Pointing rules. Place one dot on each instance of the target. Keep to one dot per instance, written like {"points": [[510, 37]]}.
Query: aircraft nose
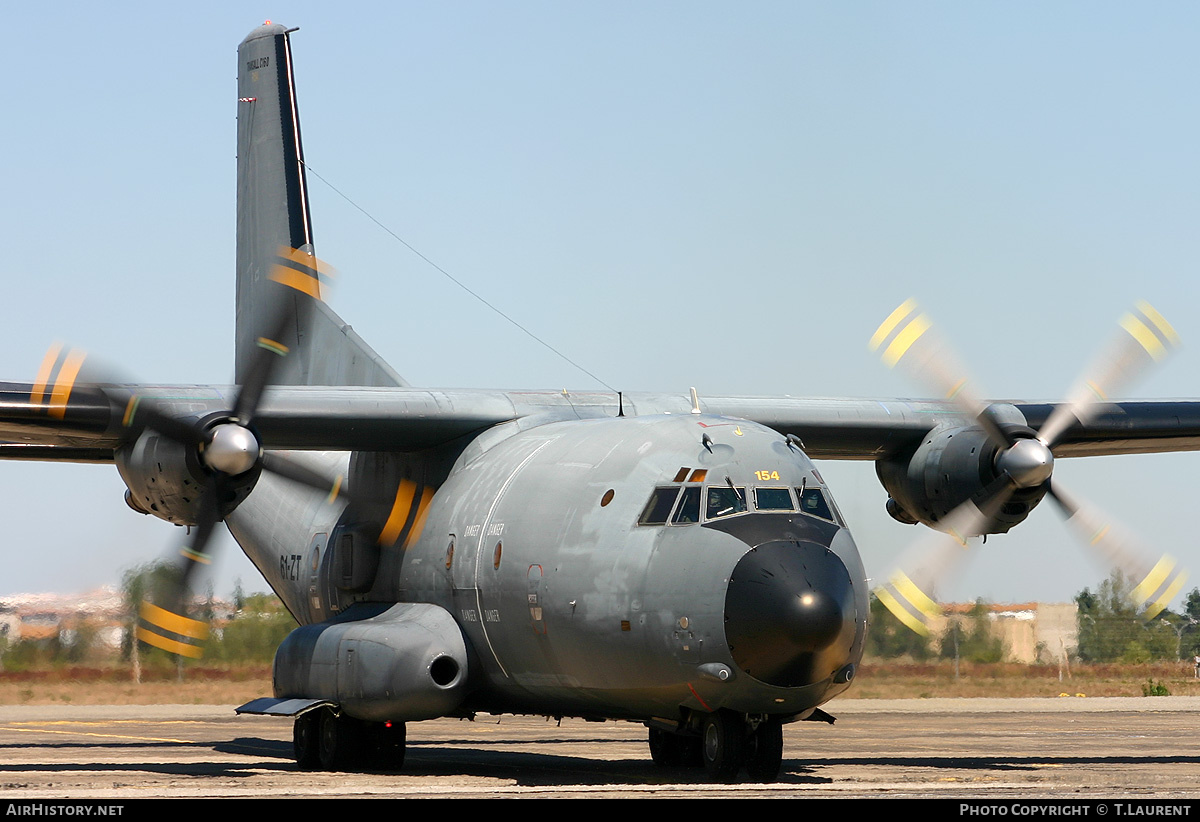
{"points": [[789, 613]]}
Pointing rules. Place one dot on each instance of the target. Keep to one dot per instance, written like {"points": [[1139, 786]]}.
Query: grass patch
{"points": [[232, 685], [876, 679]]}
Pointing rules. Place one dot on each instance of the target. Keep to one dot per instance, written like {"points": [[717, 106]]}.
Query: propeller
{"points": [[228, 450], [934, 557], [908, 340]]}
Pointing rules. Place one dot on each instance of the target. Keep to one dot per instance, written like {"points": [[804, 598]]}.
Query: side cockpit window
{"points": [[658, 509], [812, 502]]}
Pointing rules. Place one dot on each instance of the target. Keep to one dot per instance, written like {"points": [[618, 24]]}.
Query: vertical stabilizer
{"points": [[273, 224]]}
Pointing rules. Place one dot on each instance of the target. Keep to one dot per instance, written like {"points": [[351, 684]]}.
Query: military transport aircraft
{"points": [[665, 559]]}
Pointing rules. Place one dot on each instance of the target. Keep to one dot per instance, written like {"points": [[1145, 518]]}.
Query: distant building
{"points": [[1031, 631], [47, 616]]}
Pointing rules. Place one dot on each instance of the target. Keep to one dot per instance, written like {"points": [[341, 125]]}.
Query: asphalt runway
{"points": [[1126, 749]]}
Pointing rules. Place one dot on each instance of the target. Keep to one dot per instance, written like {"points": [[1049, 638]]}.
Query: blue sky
{"points": [[674, 194]]}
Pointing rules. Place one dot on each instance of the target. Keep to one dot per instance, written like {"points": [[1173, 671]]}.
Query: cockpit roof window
{"points": [[724, 501], [812, 502], [773, 499], [658, 509]]}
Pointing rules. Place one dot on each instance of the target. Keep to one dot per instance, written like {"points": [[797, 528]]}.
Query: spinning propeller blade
{"points": [[907, 339], [1157, 582], [1144, 340], [910, 342], [228, 450], [934, 557]]}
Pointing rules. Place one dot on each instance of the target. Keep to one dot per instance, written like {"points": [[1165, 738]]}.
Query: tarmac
{"points": [[1126, 749]]}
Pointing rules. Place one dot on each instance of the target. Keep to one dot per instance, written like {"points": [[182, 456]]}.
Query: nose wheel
{"points": [[727, 743], [764, 757], [724, 745]]}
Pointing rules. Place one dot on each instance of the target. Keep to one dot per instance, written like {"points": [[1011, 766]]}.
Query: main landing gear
{"points": [[727, 742], [326, 740]]}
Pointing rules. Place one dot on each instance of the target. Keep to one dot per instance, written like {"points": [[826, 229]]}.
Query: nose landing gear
{"points": [[727, 742], [764, 757]]}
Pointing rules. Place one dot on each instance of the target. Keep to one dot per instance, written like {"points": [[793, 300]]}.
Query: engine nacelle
{"points": [[166, 479], [949, 467], [405, 663]]}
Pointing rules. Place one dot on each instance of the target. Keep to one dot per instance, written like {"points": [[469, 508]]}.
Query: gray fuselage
{"points": [[621, 567]]}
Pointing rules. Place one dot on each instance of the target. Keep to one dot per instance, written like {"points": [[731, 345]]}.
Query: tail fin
{"points": [[272, 214]]}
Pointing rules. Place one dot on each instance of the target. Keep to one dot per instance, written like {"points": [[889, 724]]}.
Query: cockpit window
{"points": [[682, 505], [658, 509], [689, 507], [723, 501], [773, 499], [812, 502]]}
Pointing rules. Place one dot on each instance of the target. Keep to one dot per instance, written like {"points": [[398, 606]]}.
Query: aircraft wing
{"points": [[869, 429], [1135, 427], [85, 427]]}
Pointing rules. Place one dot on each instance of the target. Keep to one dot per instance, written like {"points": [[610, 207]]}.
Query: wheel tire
{"points": [[764, 759], [337, 741], [390, 743], [666, 748], [306, 741], [724, 745]]}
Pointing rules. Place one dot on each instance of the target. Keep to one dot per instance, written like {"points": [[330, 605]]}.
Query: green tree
{"points": [[972, 639], [77, 642], [151, 580], [26, 655], [889, 638], [1112, 630], [1189, 639], [255, 632]]}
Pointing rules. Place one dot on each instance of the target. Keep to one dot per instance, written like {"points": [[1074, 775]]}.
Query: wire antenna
{"points": [[457, 281]]}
